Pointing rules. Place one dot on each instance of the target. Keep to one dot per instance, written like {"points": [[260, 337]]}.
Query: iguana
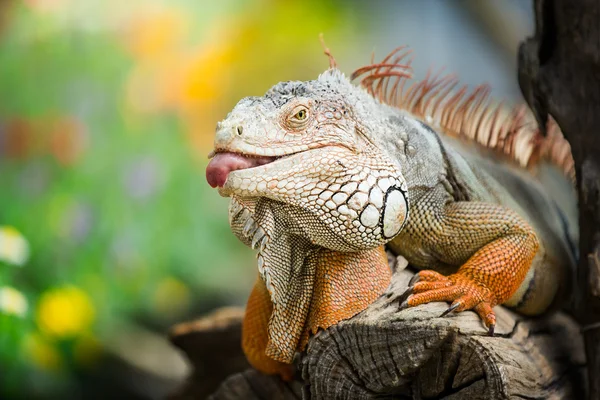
{"points": [[322, 174]]}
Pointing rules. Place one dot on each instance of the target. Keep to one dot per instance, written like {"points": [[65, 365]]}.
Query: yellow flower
{"points": [[12, 301], [42, 353], [65, 312], [171, 296], [14, 248]]}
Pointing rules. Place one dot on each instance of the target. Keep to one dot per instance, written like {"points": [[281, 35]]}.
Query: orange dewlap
{"points": [[345, 284], [255, 336]]}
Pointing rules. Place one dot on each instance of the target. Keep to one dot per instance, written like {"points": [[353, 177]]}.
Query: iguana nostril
{"points": [[240, 130]]}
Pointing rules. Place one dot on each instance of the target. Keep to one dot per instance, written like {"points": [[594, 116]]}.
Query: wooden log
{"points": [[415, 354], [559, 74]]}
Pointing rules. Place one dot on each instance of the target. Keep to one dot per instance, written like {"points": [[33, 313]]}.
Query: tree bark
{"points": [[559, 74], [415, 354]]}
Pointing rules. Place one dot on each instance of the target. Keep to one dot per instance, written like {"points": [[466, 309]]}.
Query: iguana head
{"points": [[305, 144]]}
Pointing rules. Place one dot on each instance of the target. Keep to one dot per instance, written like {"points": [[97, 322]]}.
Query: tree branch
{"points": [[559, 74]]}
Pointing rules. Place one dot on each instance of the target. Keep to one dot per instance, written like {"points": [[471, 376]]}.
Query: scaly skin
{"points": [[256, 338], [322, 175], [344, 285], [496, 238]]}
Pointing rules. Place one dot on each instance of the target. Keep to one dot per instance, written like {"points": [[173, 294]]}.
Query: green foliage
{"points": [[106, 118]]}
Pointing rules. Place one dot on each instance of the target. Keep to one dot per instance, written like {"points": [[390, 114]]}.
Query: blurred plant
{"points": [[175, 76], [106, 107], [42, 352], [14, 248], [12, 302], [87, 350], [64, 312], [171, 296]]}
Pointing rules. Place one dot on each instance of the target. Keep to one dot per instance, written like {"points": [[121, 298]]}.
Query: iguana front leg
{"points": [[498, 246]]}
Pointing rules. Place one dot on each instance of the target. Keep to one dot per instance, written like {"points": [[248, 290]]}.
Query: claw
{"points": [[403, 305], [491, 329], [414, 280], [404, 296], [453, 307]]}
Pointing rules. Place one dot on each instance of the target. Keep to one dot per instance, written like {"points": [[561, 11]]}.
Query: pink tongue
{"points": [[223, 163]]}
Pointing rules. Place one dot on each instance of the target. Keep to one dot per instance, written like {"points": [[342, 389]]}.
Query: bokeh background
{"points": [[109, 233]]}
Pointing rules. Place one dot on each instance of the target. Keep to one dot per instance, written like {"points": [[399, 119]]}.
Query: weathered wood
{"points": [[252, 385], [414, 354], [559, 74], [212, 345]]}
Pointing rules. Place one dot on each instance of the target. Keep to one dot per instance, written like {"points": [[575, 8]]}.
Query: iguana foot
{"points": [[462, 291]]}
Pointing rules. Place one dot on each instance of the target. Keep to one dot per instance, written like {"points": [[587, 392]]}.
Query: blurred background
{"points": [[109, 233]]}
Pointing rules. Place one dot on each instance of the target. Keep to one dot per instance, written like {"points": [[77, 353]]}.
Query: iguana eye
{"points": [[298, 117], [301, 115]]}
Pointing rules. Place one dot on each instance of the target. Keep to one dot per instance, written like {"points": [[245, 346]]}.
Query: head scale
{"points": [[302, 144]]}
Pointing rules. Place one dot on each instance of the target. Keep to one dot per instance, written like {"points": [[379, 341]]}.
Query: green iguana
{"points": [[322, 174]]}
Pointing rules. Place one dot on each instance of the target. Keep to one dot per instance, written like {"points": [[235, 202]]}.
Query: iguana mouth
{"points": [[223, 163]]}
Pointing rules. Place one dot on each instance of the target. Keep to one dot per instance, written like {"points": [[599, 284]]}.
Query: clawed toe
{"points": [[414, 280], [462, 292], [453, 307], [403, 305], [406, 294]]}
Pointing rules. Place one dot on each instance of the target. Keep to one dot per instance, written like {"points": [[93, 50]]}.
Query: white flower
{"points": [[14, 248], [12, 301]]}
